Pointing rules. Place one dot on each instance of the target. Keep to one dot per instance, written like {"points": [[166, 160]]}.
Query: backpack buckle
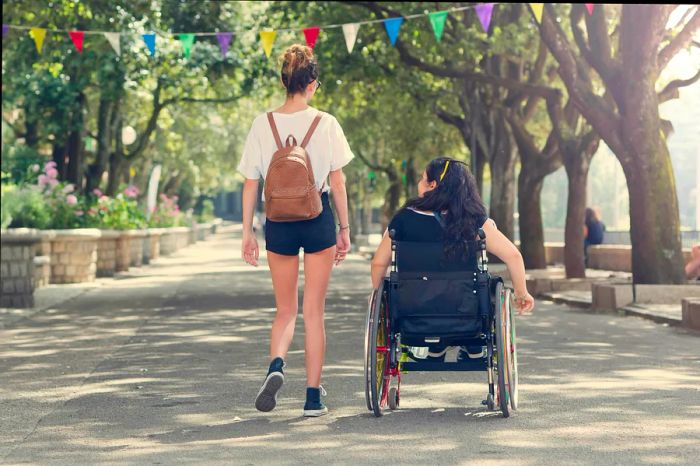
{"points": [[294, 141]]}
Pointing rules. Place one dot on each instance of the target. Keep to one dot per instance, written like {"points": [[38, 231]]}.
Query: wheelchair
{"points": [[429, 299]]}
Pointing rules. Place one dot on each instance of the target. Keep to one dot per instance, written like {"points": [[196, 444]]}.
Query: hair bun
{"points": [[299, 67]]}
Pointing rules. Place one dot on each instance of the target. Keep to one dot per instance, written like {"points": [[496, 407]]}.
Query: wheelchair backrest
{"points": [[430, 257]]}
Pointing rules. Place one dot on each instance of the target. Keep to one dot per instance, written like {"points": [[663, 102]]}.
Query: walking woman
{"points": [[327, 152]]}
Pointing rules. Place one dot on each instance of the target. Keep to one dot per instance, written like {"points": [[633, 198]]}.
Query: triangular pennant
{"points": [[150, 40], [537, 10], [350, 31], [5, 29], [77, 38], [187, 41], [311, 35], [267, 38], [224, 39], [392, 26], [483, 12], [38, 34], [113, 38], [589, 7], [437, 20]]}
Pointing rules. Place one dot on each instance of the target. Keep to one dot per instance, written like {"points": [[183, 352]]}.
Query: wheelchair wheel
{"points": [[377, 355], [372, 302], [393, 398], [507, 395]]}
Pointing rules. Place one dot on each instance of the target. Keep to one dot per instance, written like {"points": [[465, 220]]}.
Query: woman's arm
{"points": [[381, 261], [500, 246], [249, 248], [340, 200]]}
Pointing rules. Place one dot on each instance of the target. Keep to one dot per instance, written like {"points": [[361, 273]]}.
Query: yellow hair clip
{"points": [[447, 164]]}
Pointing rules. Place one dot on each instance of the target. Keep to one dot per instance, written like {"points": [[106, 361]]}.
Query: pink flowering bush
{"points": [[167, 213]]}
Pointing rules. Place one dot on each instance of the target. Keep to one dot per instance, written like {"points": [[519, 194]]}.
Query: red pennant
{"points": [[311, 35], [589, 7], [77, 37]]}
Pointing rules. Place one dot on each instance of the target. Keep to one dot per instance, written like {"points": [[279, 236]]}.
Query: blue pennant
{"points": [[150, 40], [392, 26]]}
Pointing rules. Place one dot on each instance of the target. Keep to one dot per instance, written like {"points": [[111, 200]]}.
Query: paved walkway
{"points": [[161, 367]]}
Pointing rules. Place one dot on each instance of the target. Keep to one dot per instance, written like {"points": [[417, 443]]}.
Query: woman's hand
{"points": [[342, 245], [249, 249], [524, 302]]}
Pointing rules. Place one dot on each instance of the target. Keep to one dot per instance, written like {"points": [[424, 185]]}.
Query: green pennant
{"points": [[187, 41], [438, 19]]}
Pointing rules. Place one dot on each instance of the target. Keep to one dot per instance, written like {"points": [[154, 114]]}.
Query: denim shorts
{"points": [[312, 235]]}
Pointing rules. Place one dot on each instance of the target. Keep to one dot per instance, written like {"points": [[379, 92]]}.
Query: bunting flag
{"points": [[350, 32], [5, 28], [150, 40], [589, 7], [267, 38], [187, 40], [77, 38], [311, 35], [392, 26], [224, 39], [38, 34], [483, 12], [113, 39], [437, 20], [537, 10]]}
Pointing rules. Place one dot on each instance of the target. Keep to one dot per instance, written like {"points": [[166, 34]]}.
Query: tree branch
{"points": [[671, 90], [679, 42]]}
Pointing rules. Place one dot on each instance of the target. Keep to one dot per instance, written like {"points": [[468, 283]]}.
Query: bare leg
{"points": [[317, 272], [285, 275]]}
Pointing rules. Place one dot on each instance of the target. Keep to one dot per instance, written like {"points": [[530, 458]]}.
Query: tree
{"points": [[629, 60]]}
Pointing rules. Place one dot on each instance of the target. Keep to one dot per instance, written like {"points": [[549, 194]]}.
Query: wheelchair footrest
{"points": [[432, 366]]}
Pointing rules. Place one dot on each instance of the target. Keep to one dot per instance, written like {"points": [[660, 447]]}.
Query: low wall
{"points": [[17, 266], [606, 296], [107, 247], [136, 247], [690, 311], [615, 257], [74, 255]]}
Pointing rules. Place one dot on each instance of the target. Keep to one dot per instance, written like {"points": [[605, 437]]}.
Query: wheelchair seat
{"points": [[435, 298]]}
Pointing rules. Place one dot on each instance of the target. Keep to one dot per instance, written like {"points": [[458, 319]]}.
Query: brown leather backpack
{"points": [[290, 189]]}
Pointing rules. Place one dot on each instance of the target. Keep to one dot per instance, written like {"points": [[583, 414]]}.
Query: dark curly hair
{"points": [[299, 68], [456, 198]]}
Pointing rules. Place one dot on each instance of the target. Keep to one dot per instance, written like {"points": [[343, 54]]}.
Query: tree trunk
{"points": [[104, 144], [116, 171], [391, 198], [655, 225], [58, 155], [75, 151], [503, 181], [530, 221], [577, 173]]}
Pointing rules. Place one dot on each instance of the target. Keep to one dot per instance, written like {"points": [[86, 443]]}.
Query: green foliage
{"points": [[21, 164], [207, 211], [115, 213], [23, 208]]}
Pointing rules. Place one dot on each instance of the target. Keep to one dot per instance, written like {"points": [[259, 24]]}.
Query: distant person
{"points": [[692, 268], [593, 230]]}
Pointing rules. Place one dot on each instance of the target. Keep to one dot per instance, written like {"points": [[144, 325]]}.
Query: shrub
{"points": [[166, 214]]}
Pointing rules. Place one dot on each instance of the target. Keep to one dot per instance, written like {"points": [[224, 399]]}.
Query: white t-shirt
{"points": [[328, 149]]}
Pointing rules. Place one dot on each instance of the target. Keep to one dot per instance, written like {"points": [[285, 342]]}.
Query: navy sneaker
{"points": [[313, 406], [266, 400], [471, 352]]}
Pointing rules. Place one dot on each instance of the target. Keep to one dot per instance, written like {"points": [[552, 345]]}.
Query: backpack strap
{"points": [[311, 130], [275, 133]]}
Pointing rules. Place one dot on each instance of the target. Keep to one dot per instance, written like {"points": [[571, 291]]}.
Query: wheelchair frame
{"points": [[384, 351]]}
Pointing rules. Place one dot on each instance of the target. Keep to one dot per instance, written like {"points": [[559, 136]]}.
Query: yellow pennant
{"points": [[537, 10], [38, 34], [267, 38]]}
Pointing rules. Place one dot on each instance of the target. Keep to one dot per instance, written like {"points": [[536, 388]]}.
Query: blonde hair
{"points": [[299, 68]]}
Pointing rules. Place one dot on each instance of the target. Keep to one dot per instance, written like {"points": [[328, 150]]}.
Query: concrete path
{"points": [[162, 366]]}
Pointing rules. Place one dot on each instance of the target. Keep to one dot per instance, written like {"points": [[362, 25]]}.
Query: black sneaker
{"points": [[313, 406], [471, 352], [266, 400]]}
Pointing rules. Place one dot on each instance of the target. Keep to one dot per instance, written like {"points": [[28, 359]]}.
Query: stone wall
{"points": [[17, 267], [42, 271], [137, 237], [123, 259], [154, 235], [107, 253], [74, 255]]}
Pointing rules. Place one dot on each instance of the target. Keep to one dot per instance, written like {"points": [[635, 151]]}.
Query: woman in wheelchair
{"points": [[449, 209]]}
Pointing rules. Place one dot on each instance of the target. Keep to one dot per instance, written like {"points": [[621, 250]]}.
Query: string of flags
{"points": [[392, 27]]}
